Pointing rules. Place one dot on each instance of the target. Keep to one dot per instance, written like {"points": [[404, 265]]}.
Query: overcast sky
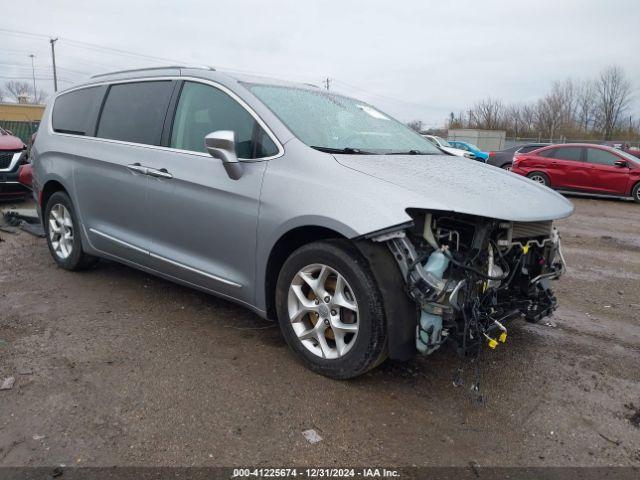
{"points": [[413, 59]]}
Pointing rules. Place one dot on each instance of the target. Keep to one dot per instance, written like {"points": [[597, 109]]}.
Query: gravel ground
{"points": [[114, 367]]}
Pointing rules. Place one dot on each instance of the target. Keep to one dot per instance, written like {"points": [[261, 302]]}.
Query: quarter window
{"points": [[76, 112], [595, 155], [203, 109], [135, 112]]}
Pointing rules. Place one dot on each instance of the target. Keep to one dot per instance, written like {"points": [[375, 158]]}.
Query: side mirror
{"points": [[222, 145], [620, 163]]}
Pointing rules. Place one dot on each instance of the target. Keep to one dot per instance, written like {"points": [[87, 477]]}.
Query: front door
{"points": [[606, 176], [204, 223]]}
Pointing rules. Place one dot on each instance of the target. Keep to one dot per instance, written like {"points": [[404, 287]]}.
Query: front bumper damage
{"points": [[469, 275]]}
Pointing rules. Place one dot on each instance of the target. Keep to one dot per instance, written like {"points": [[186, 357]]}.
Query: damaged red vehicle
{"points": [[12, 155], [585, 168]]}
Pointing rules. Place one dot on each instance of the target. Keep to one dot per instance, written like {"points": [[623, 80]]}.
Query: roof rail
{"points": [[162, 67]]}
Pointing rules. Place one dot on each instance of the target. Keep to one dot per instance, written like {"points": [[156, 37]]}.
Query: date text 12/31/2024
{"points": [[315, 472]]}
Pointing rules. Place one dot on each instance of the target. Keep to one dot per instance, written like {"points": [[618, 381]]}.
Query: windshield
{"points": [[443, 142], [473, 147], [628, 156], [331, 122]]}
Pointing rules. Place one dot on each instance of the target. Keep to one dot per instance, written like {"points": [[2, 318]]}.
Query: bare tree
{"points": [[487, 114], [17, 89], [416, 125], [39, 97], [554, 112], [613, 97], [2, 95], [585, 105]]}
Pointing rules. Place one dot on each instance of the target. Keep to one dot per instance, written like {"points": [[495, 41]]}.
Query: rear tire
{"points": [[62, 230], [636, 193], [506, 166], [335, 322], [540, 178]]}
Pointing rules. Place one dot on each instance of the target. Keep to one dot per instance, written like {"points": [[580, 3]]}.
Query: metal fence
{"points": [[512, 141], [22, 130]]}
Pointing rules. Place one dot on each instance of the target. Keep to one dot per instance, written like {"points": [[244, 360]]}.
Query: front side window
{"points": [[602, 157], [569, 153], [331, 122], [135, 112], [76, 112], [203, 109]]}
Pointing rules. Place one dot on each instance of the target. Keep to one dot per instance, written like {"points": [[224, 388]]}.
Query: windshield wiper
{"points": [[411, 152], [346, 150]]}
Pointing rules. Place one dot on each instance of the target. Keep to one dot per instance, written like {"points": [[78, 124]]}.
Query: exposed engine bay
{"points": [[470, 275]]}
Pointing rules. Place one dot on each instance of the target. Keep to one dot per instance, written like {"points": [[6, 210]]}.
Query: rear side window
{"points": [[76, 112], [529, 148], [569, 153], [602, 157], [135, 112], [203, 109], [551, 153]]}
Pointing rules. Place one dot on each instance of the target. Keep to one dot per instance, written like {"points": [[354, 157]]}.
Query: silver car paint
{"points": [[205, 230]]}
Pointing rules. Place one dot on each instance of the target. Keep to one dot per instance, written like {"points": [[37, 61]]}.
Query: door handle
{"points": [[136, 167], [162, 173]]}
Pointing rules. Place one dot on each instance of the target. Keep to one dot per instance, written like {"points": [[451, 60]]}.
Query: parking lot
{"points": [[115, 367]]}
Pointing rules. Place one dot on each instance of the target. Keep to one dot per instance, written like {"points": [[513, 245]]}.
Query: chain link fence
{"points": [[22, 130]]}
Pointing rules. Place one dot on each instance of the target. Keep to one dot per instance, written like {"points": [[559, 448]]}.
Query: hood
{"points": [[458, 184], [9, 142]]}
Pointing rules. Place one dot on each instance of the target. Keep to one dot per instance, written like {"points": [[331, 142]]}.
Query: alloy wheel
{"points": [[61, 231], [539, 179], [323, 311]]}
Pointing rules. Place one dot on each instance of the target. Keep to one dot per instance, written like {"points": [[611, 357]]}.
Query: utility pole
{"points": [[33, 73], [327, 83], [52, 41]]}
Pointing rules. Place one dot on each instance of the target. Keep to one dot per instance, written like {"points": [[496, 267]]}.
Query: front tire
{"points": [[62, 230], [330, 309]]}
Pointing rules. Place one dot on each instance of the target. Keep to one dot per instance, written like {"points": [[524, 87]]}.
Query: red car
{"points": [[586, 168], [12, 155]]}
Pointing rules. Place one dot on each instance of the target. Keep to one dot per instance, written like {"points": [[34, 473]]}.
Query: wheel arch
{"points": [[400, 311], [282, 249], [49, 188]]}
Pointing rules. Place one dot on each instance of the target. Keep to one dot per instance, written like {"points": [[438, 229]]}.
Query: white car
{"points": [[442, 144]]}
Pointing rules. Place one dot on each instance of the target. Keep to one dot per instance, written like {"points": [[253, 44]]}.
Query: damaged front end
{"points": [[469, 275]]}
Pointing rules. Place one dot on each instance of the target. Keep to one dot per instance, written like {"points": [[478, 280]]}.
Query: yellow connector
{"points": [[525, 249], [503, 337], [492, 343]]}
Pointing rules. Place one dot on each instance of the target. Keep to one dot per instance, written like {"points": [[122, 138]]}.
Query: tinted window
{"points": [[134, 112], [529, 148], [595, 155], [569, 153], [75, 112], [203, 109], [548, 153]]}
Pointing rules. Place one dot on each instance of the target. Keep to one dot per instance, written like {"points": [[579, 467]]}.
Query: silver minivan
{"points": [[358, 235]]}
